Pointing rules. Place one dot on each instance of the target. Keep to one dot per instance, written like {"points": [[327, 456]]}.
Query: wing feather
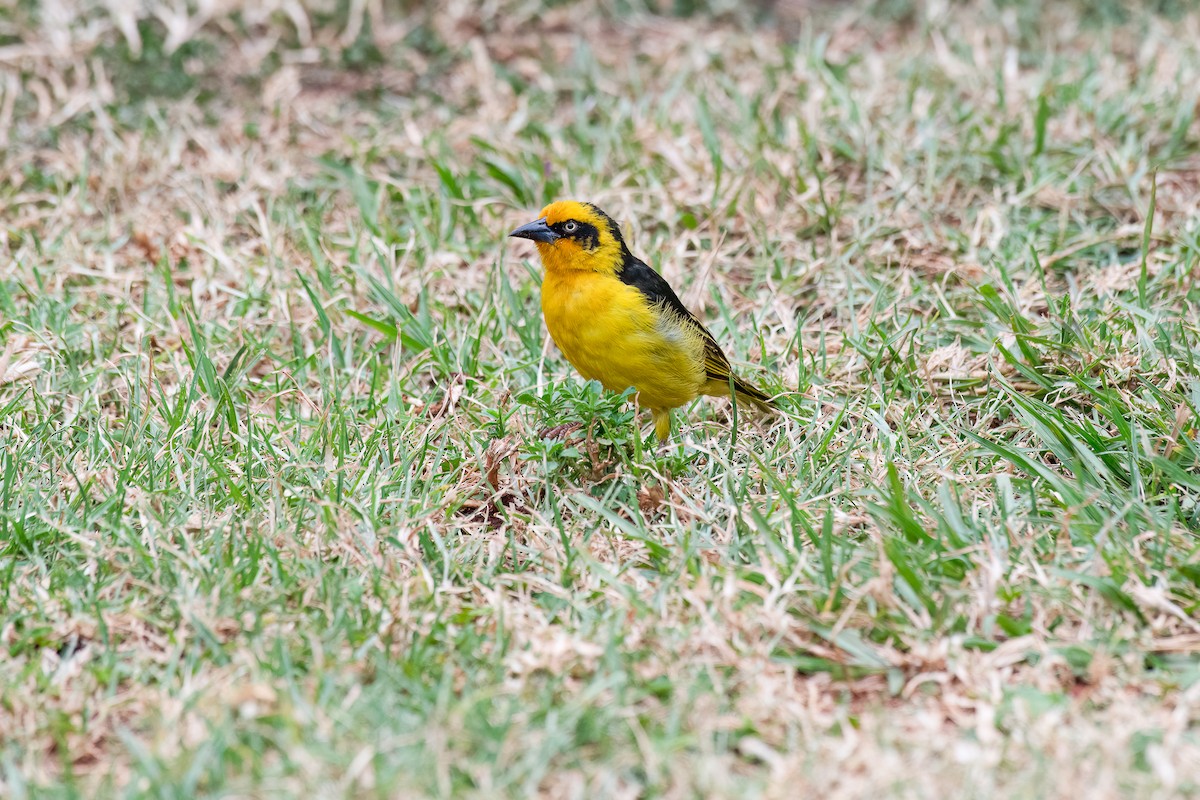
{"points": [[657, 291]]}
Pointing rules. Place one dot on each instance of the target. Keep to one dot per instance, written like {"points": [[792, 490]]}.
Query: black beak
{"points": [[536, 231]]}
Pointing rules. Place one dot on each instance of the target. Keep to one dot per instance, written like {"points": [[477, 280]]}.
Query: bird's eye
{"points": [[571, 226]]}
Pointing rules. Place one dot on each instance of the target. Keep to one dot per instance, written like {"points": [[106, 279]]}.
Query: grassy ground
{"points": [[292, 498]]}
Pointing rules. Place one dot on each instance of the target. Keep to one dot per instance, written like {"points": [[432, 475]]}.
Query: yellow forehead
{"points": [[566, 209]]}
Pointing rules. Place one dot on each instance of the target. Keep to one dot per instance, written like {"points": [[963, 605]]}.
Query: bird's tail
{"points": [[743, 391], [757, 397]]}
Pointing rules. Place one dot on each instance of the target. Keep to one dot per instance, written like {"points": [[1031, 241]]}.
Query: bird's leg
{"points": [[662, 423]]}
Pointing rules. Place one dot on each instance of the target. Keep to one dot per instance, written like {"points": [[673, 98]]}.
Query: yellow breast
{"points": [[607, 331]]}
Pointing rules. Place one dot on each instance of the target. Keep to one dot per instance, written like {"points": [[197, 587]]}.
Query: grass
{"points": [[296, 497]]}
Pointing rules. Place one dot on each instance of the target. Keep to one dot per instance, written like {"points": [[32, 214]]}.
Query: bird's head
{"points": [[575, 236]]}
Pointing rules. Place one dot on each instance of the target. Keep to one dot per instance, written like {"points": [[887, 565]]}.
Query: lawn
{"points": [[298, 499]]}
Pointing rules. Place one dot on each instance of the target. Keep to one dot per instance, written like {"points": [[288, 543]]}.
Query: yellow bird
{"points": [[619, 322]]}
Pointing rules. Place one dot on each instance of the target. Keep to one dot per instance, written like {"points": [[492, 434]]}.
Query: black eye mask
{"points": [[587, 235]]}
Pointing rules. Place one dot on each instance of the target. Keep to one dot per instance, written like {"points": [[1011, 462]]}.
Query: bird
{"points": [[619, 322]]}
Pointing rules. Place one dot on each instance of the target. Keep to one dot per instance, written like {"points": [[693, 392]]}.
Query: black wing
{"points": [[642, 277]]}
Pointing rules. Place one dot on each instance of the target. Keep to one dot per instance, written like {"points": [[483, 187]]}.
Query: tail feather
{"points": [[745, 392], [756, 396]]}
